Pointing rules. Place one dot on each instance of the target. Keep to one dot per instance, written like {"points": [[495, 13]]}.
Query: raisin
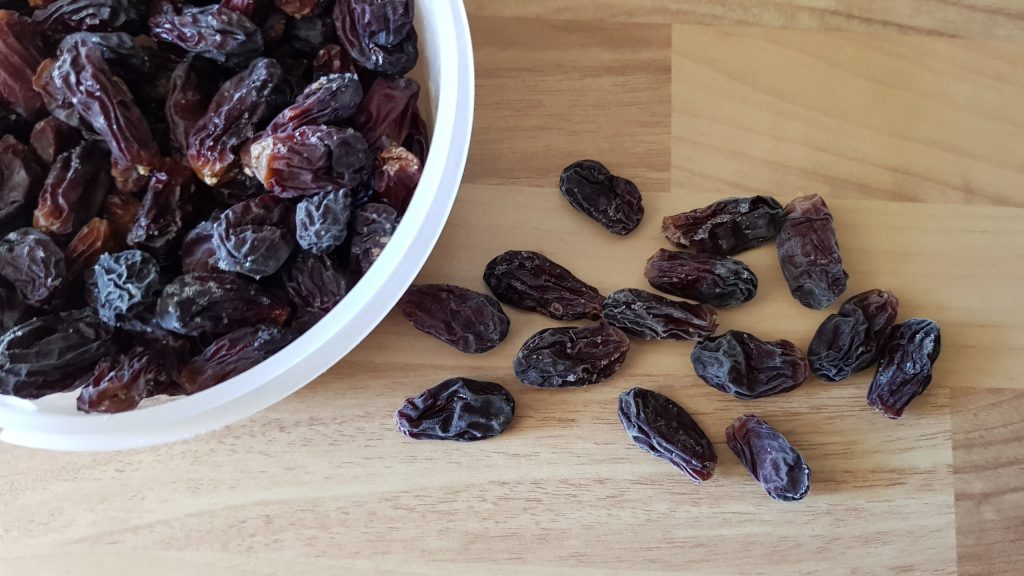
{"points": [[21, 52], [198, 252], [321, 221], [232, 355], [386, 114], [466, 320], [238, 109], [309, 160], [121, 385], [571, 357], [301, 8], [124, 283], [776, 465], [315, 286], [121, 211], [651, 317], [255, 237], [726, 227], [13, 310], [531, 281], [49, 354], [664, 429], [213, 32], [252, 9], [809, 253], [65, 16], [20, 180], [74, 190], [747, 367], [310, 34], [416, 139], [716, 280], [93, 240], [329, 101], [50, 138], [166, 210], [905, 370], [332, 59], [173, 351], [458, 409], [852, 340], [82, 90], [611, 201], [372, 228], [197, 304], [398, 173], [191, 87], [35, 266], [127, 59], [363, 30]]}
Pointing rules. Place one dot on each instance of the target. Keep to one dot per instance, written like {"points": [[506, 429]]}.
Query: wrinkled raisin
{"points": [[651, 317], [21, 51], [716, 280], [315, 286], [198, 252], [166, 209], [726, 227], [50, 138], [321, 221], [457, 409], [531, 281], [93, 240], [255, 237], [20, 180], [465, 320], [398, 173], [747, 367], [65, 16], [776, 465], [329, 101], [33, 263], [122, 384], [386, 114], [197, 304], [372, 228], [309, 160], [368, 34], [212, 32], [611, 201], [570, 357], [852, 340], [906, 367], [233, 354], [809, 253], [124, 283], [121, 211], [664, 429], [74, 190]]}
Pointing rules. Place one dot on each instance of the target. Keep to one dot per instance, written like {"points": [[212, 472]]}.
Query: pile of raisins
{"points": [[187, 187], [863, 333]]}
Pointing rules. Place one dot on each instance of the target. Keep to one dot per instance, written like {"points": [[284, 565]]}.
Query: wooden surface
{"points": [[908, 116]]}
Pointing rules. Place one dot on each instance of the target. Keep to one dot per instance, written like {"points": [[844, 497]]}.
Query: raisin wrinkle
{"points": [[747, 367], [611, 201], [648, 316], [664, 429], [530, 281], [905, 370], [716, 280], [124, 284], [466, 320], [852, 340], [571, 357], [773, 462], [459, 409], [727, 227], [809, 253]]}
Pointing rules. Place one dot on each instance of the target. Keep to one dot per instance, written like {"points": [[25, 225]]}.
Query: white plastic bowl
{"points": [[446, 69]]}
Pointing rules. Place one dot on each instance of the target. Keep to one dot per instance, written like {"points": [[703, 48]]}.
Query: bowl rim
{"points": [[331, 339]]}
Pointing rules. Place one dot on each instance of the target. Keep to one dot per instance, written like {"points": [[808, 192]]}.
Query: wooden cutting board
{"points": [[907, 116]]}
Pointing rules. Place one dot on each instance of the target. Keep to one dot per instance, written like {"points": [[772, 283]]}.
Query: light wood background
{"points": [[908, 116]]}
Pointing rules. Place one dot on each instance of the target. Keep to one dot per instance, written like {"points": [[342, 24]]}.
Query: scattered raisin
{"points": [[531, 281], [651, 317], [776, 465], [747, 367], [726, 227], [197, 304], [255, 237], [457, 409], [570, 357], [716, 280], [213, 32], [232, 355], [611, 201], [809, 253], [852, 340], [906, 367], [33, 263], [465, 320], [664, 429], [124, 283]]}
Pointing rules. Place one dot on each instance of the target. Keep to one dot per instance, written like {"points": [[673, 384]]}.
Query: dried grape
{"points": [[571, 357], [809, 253], [255, 237], [611, 201], [124, 284], [233, 354], [197, 304], [747, 367], [651, 317], [852, 340], [465, 320], [716, 280], [726, 227], [33, 263], [321, 221], [531, 281], [458, 409], [776, 465], [664, 429], [905, 370]]}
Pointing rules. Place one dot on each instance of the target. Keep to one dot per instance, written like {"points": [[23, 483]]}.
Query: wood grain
{"points": [[911, 138]]}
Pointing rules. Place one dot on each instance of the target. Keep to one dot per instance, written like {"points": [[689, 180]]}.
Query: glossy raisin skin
{"points": [[397, 175], [368, 34], [198, 252], [232, 354], [776, 465], [33, 263], [124, 284], [213, 32], [190, 90], [905, 370], [648, 316], [571, 357], [716, 280], [329, 101], [372, 228], [20, 180], [315, 286], [50, 138], [852, 340], [386, 114], [809, 253], [466, 320], [65, 16], [664, 429], [237, 111], [611, 201], [13, 310], [321, 221], [255, 237], [121, 385], [22, 49], [747, 367], [457, 409], [49, 354], [93, 240], [727, 227], [127, 59], [531, 281], [74, 191], [198, 304], [166, 210], [309, 160]]}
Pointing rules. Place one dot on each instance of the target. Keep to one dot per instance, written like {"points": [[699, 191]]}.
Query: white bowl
{"points": [[446, 71]]}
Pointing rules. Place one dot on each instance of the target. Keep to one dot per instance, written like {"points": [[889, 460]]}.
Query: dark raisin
{"points": [[809, 253], [383, 22], [852, 340], [255, 237], [20, 180], [531, 281], [716, 280], [50, 138], [171, 350], [166, 210], [905, 370], [465, 320], [128, 60], [315, 286], [233, 354], [73, 194], [321, 221], [13, 310], [776, 465], [611, 201], [122, 384], [212, 32], [65, 16], [651, 317], [372, 228], [329, 101], [386, 114], [33, 263], [457, 409], [571, 357], [360, 26], [747, 367], [198, 253], [309, 160], [197, 304], [49, 354], [332, 59], [124, 283], [93, 240], [192, 85], [397, 175], [664, 429], [121, 211], [22, 50], [726, 227]]}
